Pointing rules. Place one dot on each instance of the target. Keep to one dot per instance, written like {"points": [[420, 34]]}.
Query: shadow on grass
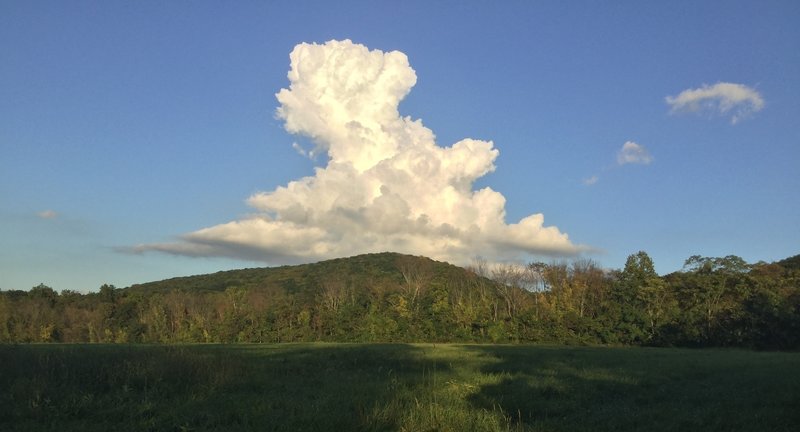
{"points": [[541, 387], [290, 387], [321, 387], [583, 388]]}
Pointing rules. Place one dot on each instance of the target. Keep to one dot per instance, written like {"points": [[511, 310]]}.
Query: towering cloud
{"points": [[386, 185], [736, 100]]}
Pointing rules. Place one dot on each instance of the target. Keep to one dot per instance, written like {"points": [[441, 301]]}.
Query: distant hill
{"points": [[390, 297], [358, 271], [791, 263]]}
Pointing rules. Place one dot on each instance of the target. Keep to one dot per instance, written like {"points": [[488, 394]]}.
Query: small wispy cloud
{"points": [[632, 153], [591, 180], [736, 100], [47, 214], [303, 152]]}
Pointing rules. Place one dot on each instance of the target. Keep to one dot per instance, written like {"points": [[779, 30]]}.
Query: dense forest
{"points": [[388, 297]]}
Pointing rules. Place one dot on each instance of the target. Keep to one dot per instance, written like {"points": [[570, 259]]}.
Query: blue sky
{"points": [[130, 127]]}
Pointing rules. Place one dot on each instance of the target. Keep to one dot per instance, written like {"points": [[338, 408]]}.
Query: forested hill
{"points": [[792, 263], [358, 272], [388, 297]]}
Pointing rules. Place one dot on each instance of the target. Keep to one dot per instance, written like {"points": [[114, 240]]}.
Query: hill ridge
{"points": [[378, 265]]}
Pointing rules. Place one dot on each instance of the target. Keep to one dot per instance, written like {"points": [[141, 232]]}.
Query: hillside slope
{"points": [[791, 263], [359, 271], [389, 297]]}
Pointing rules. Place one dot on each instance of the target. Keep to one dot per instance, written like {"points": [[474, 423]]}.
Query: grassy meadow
{"points": [[399, 387]]}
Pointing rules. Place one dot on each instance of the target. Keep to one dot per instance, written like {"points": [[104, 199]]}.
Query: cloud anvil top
{"points": [[387, 185]]}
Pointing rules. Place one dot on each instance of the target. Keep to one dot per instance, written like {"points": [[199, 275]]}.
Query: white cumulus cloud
{"points": [[387, 185], [736, 100], [632, 153]]}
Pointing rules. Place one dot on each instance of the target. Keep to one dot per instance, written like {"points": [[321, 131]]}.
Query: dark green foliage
{"points": [[389, 297], [792, 263], [360, 270]]}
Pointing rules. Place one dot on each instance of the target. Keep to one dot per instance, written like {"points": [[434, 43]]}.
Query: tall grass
{"points": [[295, 387]]}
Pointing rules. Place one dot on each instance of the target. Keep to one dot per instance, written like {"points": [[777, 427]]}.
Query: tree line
{"points": [[711, 302]]}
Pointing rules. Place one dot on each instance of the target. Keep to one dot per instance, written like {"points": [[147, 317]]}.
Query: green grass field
{"points": [[295, 387]]}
